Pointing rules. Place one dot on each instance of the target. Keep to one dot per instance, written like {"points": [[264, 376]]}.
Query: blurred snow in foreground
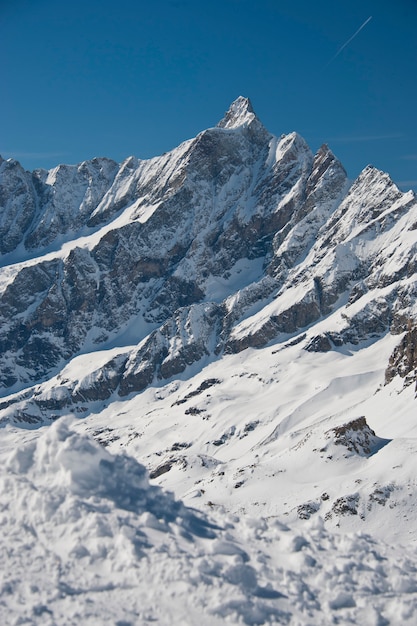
{"points": [[85, 539]]}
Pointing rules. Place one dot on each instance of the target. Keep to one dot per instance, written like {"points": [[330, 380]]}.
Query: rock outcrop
{"points": [[403, 361]]}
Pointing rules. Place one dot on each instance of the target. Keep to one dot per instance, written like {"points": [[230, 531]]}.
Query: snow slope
{"points": [[86, 539]]}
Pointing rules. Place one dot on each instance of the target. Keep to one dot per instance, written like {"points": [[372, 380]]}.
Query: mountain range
{"points": [[238, 316]]}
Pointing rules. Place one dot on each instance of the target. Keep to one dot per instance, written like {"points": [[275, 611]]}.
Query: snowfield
{"points": [[294, 520], [86, 539]]}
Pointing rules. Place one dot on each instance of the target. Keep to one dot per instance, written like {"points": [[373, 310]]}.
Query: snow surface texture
{"points": [[87, 540]]}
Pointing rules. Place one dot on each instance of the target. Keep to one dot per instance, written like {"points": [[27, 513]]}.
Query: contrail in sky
{"points": [[350, 39]]}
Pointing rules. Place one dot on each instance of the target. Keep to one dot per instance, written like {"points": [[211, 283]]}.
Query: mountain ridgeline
{"points": [[236, 239]]}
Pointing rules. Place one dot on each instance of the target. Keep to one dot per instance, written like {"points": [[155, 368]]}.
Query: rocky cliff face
{"points": [[235, 239], [403, 361]]}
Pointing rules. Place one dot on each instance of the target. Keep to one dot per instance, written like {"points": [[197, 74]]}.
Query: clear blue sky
{"points": [[89, 78]]}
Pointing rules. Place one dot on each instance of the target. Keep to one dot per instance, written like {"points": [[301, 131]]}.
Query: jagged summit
{"points": [[239, 113]]}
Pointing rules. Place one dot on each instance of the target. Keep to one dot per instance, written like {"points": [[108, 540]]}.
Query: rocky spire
{"points": [[240, 113]]}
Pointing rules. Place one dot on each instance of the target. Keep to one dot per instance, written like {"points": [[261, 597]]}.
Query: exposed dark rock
{"points": [[357, 292], [105, 436], [319, 343], [101, 384], [306, 510], [206, 384], [248, 428], [357, 437], [381, 495], [166, 466], [346, 505], [403, 361], [17, 202], [225, 437], [161, 469], [194, 410], [180, 446], [295, 317]]}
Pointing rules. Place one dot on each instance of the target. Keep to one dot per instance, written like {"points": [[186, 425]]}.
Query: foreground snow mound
{"points": [[86, 539], [71, 466]]}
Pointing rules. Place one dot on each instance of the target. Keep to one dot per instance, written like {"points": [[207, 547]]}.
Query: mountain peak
{"points": [[239, 113]]}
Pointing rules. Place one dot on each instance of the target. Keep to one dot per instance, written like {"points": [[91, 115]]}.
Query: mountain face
{"points": [[241, 318], [151, 270], [234, 239]]}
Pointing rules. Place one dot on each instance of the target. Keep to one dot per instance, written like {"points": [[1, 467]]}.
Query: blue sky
{"points": [[114, 78]]}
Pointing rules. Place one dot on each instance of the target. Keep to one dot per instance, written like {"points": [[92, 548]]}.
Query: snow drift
{"points": [[86, 539]]}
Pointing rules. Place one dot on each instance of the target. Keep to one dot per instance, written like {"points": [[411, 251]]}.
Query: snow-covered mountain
{"points": [[241, 318]]}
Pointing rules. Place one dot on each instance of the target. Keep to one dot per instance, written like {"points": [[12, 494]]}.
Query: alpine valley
{"points": [[208, 374]]}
